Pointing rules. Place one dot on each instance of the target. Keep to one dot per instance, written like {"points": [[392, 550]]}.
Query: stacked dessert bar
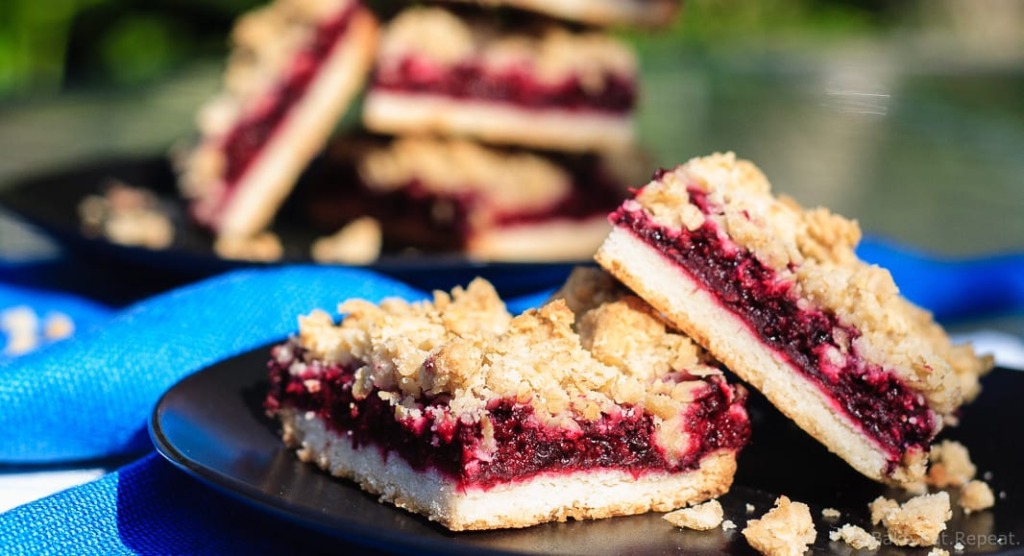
{"points": [[491, 129]]}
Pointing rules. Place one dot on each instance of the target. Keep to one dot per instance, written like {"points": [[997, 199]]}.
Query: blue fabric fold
{"points": [[151, 507], [89, 397], [951, 288]]}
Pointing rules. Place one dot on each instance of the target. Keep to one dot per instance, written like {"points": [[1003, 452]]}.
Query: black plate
{"points": [[211, 425], [51, 202]]}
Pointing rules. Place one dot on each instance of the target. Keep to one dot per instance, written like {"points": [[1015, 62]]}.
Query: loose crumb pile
{"points": [[917, 522], [856, 537], [975, 496], [701, 517], [785, 530]]}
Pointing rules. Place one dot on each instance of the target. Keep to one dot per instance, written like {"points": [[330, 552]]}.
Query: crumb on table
{"points": [[856, 537], [917, 522], [975, 496], [700, 517], [127, 215], [785, 530], [262, 247], [358, 242]]}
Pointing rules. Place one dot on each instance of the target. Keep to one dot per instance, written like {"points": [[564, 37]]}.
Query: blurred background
{"points": [[905, 114]]}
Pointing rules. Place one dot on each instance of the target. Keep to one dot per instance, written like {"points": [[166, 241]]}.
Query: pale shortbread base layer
{"points": [[588, 494], [500, 123], [272, 175], [560, 240], [729, 339], [599, 12]]}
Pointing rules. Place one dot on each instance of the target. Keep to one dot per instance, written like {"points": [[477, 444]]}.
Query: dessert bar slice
{"points": [[457, 196], [777, 294], [456, 410], [611, 13], [540, 86], [294, 68]]}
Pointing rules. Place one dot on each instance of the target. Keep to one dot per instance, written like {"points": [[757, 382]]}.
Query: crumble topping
{"points": [[815, 250], [728, 525], [552, 53], [785, 530], [975, 496], [951, 465], [513, 181], [917, 522], [701, 517], [466, 346], [358, 242], [855, 536], [936, 551], [127, 215]]}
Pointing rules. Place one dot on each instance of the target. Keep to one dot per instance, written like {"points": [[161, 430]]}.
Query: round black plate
{"points": [[51, 202], [212, 425]]}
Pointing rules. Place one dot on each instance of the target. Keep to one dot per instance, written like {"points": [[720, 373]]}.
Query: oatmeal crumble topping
{"points": [[701, 517], [516, 181], [785, 530], [552, 53], [917, 522], [815, 250], [855, 536], [467, 346]]}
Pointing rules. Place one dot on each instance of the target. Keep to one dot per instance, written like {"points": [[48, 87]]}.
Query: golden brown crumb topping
{"points": [[815, 251], [917, 522], [467, 346], [702, 517], [552, 52], [785, 530]]}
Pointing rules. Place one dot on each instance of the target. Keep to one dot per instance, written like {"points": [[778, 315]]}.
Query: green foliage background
{"points": [[51, 46]]}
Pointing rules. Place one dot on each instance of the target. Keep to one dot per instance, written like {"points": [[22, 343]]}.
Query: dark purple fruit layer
{"points": [[516, 86], [523, 445], [246, 140], [887, 410]]}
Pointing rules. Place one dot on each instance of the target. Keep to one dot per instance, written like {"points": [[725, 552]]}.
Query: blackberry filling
{"points": [[516, 86], [522, 446], [246, 140], [887, 410]]}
